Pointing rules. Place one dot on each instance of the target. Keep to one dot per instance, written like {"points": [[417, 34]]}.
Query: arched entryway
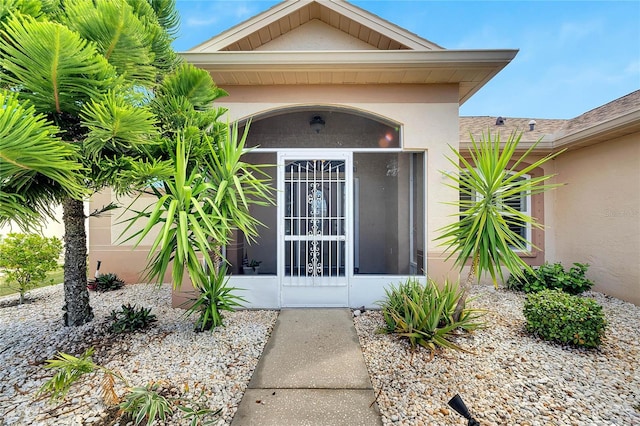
{"points": [[350, 206]]}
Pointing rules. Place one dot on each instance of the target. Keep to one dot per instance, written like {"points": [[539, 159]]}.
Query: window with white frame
{"points": [[521, 204]]}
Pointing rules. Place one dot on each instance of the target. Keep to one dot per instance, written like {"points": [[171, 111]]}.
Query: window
{"points": [[521, 204]]}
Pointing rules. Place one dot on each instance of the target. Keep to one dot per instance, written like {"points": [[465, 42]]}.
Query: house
{"points": [[358, 115]]}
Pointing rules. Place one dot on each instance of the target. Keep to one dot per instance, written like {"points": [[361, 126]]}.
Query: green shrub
{"points": [[424, 313], [552, 276], [130, 319], [560, 317], [27, 258], [106, 282]]}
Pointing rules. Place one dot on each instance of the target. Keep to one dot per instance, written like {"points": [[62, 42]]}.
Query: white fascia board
{"points": [[249, 26], [265, 60], [380, 25]]}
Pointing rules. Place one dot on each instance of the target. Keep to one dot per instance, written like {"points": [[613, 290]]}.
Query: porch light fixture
{"points": [[316, 123], [457, 404]]}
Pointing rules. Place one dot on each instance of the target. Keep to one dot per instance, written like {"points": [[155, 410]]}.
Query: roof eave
{"points": [[617, 127], [397, 62]]}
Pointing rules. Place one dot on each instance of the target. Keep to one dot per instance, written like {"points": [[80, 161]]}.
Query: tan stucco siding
{"points": [[107, 241], [597, 214]]}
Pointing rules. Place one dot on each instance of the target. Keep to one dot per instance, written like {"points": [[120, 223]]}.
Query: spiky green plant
{"points": [[491, 175], [146, 403], [207, 197], [69, 369], [214, 296], [424, 314]]}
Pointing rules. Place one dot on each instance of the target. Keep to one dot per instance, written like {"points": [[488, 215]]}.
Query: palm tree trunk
{"points": [[76, 295], [465, 288]]}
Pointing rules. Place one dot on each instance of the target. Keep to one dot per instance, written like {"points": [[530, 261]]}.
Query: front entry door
{"points": [[315, 222]]}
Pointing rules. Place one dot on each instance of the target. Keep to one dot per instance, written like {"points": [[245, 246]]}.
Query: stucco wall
{"points": [[597, 214]]}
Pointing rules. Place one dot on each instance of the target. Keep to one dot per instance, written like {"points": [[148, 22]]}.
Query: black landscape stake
{"points": [[457, 404]]}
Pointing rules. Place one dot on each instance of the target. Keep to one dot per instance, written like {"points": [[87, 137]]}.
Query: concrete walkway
{"points": [[311, 372]]}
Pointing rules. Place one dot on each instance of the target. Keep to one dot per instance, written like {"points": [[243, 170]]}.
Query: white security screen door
{"points": [[315, 197]]}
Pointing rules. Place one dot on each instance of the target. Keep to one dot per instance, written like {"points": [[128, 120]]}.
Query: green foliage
{"points": [[130, 318], [145, 403], [552, 276], [68, 370], [48, 61], [37, 169], [424, 314], [88, 67], [204, 200], [492, 178], [27, 258], [195, 413], [106, 282], [213, 298], [560, 317]]}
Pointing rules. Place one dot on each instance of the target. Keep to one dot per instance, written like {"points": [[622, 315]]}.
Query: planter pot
{"points": [[249, 270]]}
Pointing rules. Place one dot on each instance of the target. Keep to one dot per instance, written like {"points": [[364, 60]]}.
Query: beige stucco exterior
{"points": [[597, 214]]}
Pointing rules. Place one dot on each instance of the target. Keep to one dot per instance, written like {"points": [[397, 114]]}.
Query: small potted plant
{"points": [[250, 268]]}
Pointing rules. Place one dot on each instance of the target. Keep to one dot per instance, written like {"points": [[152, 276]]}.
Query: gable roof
{"points": [[614, 119], [289, 15], [241, 55]]}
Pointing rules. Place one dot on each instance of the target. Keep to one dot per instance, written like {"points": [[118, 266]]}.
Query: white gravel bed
{"points": [[511, 378], [218, 363]]}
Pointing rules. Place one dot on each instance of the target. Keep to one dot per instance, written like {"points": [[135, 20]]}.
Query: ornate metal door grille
{"points": [[315, 221]]}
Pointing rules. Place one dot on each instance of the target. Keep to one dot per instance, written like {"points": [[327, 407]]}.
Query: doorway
{"points": [[315, 227]]}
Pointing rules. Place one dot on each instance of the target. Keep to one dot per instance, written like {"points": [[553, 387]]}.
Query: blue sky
{"points": [[574, 55]]}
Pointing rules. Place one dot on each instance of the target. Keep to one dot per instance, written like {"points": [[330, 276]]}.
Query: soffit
{"points": [[289, 15], [470, 69]]}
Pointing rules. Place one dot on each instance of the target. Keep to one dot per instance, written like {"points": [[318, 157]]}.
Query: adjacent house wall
{"points": [[597, 214]]}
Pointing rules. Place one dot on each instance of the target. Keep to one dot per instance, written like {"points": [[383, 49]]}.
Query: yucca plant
{"points": [[200, 206], [214, 296], [491, 176], [423, 314]]}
